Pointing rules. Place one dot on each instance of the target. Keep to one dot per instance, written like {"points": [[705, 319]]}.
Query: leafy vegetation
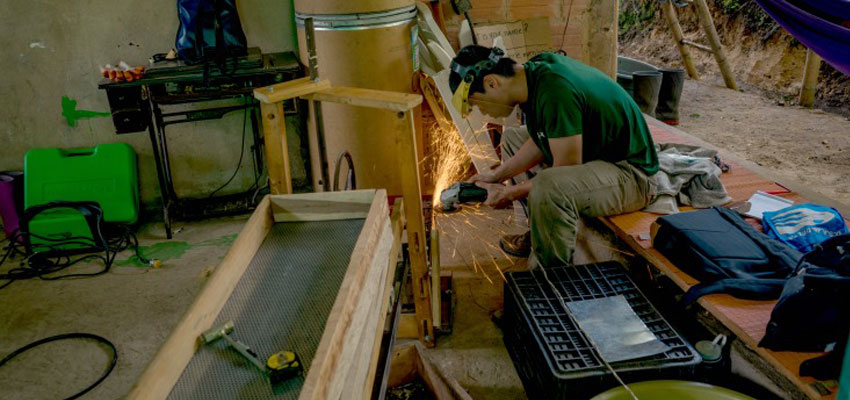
{"points": [[637, 16]]}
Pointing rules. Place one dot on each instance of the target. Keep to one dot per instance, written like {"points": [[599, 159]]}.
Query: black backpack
{"points": [[209, 31], [813, 310], [726, 254]]}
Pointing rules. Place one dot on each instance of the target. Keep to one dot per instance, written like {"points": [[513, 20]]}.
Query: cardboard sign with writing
{"points": [[523, 39]]}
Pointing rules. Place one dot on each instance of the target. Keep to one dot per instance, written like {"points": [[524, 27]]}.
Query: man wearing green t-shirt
{"points": [[580, 125]]}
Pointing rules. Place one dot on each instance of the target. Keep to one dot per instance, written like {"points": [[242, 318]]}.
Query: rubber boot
{"points": [[646, 87], [672, 82]]}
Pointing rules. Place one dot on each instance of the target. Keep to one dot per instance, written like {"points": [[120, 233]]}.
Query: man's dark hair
{"points": [[472, 54]]}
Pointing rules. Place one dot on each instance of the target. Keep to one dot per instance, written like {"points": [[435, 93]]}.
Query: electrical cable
{"points": [[241, 152], [67, 336], [566, 25], [44, 260]]}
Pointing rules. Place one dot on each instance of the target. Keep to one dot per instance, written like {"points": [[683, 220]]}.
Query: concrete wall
{"points": [[54, 48]]}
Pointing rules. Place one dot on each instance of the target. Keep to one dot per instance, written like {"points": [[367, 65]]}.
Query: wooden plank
{"points": [[443, 386], [289, 89], [397, 222], [333, 349], [714, 40], [322, 207], [171, 359], [435, 276], [382, 99], [679, 37], [412, 193], [698, 46], [810, 79], [357, 350], [407, 327], [277, 150]]}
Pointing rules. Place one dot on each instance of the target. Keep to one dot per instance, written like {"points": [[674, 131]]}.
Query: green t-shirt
{"points": [[566, 97]]}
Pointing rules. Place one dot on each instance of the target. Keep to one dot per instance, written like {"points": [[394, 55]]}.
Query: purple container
{"points": [[11, 200]]}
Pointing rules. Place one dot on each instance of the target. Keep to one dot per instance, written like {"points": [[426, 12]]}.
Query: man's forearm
{"points": [[519, 192], [525, 158]]}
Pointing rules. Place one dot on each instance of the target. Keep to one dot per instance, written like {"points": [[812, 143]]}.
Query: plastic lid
{"points": [[709, 350]]}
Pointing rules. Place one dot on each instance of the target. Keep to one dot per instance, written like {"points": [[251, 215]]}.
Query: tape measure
{"points": [[283, 365]]}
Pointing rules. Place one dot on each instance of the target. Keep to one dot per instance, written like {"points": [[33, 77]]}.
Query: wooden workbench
{"points": [[745, 318]]}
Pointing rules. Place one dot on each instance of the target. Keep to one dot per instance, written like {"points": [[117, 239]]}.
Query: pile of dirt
{"points": [[763, 56]]}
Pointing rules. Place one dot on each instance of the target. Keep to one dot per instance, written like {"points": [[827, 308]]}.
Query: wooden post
{"points": [[412, 193], [277, 150], [435, 276], [714, 40], [678, 36], [810, 79]]}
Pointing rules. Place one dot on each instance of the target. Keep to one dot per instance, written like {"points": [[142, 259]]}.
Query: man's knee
{"points": [[551, 184]]}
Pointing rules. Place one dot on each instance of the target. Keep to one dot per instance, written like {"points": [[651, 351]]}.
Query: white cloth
{"points": [[687, 175]]}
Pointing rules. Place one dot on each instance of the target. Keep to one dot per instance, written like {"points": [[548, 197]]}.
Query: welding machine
{"points": [[64, 226], [67, 192]]}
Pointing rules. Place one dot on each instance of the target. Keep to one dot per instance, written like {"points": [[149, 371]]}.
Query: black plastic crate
{"points": [[553, 357]]}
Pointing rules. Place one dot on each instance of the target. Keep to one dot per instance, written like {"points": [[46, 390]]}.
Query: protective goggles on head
{"points": [[468, 74]]}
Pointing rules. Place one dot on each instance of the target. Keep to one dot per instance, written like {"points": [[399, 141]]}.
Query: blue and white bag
{"points": [[804, 225]]}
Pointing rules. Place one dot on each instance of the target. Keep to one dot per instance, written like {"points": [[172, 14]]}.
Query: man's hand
{"points": [[498, 195], [488, 177]]}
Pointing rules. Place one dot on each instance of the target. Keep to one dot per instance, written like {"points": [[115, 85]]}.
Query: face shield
{"points": [[460, 98]]}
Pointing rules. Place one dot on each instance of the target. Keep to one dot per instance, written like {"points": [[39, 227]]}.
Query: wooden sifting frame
{"points": [[346, 357], [403, 105]]}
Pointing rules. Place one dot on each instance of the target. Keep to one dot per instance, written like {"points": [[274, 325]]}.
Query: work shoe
{"points": [[516, 245]]}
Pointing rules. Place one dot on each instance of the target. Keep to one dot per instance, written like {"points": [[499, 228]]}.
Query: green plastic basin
{"points": [[679, 390]]}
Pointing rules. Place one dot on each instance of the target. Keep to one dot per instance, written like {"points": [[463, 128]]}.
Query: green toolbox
{"points": [[106, 174]]}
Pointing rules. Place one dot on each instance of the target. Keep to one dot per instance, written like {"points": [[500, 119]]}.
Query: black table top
{"points": [[254, 64]]}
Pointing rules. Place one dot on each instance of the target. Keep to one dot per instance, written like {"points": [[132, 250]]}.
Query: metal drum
{"points": [[365, 44]]}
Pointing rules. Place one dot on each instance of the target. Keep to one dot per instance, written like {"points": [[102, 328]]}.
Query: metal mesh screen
{"points": [[282, 302]]}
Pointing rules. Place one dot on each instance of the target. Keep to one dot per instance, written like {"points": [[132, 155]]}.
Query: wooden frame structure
{"points": [[347, 356], [715, 48], [403, 105], [810, 79]]}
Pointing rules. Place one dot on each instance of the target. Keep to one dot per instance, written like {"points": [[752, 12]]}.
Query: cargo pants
{"points": [[561, 195]]}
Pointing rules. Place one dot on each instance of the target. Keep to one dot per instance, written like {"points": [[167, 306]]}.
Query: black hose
{"points": [[351, 180], [66, 336]]}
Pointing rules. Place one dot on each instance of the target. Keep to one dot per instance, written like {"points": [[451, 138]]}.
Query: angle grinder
{"points": [[460, 193]]}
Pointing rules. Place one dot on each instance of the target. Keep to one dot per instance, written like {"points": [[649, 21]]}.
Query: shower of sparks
{"points": [[449, 162]]}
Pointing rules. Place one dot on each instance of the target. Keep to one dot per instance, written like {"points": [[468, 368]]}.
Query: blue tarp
{"points": [[821, 25]]}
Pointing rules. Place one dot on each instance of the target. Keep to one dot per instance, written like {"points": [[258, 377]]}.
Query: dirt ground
{"points": [[808, 145], [761, 122]]}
